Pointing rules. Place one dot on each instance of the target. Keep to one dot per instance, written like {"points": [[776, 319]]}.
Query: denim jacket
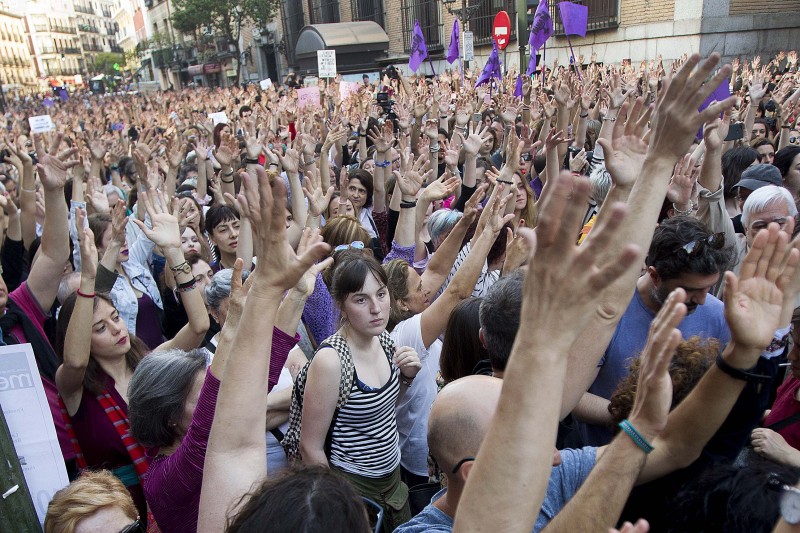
{"points": [[137, 269]]}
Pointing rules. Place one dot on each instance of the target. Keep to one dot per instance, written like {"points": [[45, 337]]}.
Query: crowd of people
{"points": [[581, 285]]}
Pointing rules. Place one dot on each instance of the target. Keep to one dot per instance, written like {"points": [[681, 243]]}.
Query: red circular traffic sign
{"points": [[501, 31]]}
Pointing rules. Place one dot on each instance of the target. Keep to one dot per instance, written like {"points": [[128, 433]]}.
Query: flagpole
{"points": [[544, 63], [574, 63]]}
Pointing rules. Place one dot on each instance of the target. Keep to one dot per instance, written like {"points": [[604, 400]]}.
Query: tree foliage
{"points": [[104, 62], [222, 17]]}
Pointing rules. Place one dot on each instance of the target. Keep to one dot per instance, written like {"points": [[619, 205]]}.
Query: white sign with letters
{"points": [[41, 124], [30, 423], [218, 118], [326, 63], [469, 46], [265, 84]]}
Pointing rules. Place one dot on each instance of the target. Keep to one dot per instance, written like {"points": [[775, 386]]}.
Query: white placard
{"points": [[265, 84], [307, 96], [326, 63], [469, 46], [218, 118], [30, 423], [41, 124]]}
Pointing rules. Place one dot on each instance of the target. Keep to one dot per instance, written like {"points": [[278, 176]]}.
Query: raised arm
{"points": [[235, 456], [166, 234], [644, 169], [435, 317], [78, 341], [46, 272], [600, 500], [560, 295], [753, 304]]}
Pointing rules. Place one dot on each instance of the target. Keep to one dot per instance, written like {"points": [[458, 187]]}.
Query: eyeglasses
{"points": [[461, 463], [373, 509], [527, 156], [356, 245], [758, 225], [694, 248], [135, 527]]}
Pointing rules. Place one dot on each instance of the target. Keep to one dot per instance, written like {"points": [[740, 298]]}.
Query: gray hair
{"points": [[764, 198], [600, 181], [441, 223], [499, 317], [69, 283], [157, 394], [219, 289]]}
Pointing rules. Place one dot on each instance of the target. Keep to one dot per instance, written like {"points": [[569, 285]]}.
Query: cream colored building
{"points": [[17, 73]]}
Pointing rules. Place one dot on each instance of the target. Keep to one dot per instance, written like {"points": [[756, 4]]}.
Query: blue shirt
{"points": [[565, 480], [630, 337]]}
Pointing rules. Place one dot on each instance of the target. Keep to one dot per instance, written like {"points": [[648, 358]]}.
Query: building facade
{"points": [[617, 29], [17, 73]]}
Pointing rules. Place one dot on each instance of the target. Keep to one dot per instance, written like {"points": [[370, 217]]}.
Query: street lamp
{"points": [[464, 14]]}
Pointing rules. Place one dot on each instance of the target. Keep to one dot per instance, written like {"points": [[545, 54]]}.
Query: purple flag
{"points": [[719, 94], [574, 17], [492, 67], [531, 64], [518, 88], [542, 27], [452, 52], [419, 50]]}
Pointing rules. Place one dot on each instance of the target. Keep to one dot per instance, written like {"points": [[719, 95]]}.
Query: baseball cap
{"points": [[760, 175]]}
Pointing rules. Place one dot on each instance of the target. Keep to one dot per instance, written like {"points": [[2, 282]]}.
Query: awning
{"points": [[358, 45]]}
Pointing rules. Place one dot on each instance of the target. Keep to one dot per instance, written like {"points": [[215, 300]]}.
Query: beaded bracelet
{"points": [[383, 164], [640, 441]]}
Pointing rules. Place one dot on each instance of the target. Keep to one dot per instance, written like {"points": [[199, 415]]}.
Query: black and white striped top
{"points": [[364, 440]]}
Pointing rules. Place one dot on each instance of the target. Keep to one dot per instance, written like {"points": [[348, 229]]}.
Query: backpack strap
{"points": [[347, 376]]}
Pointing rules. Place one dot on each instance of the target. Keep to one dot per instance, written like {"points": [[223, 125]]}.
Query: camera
{"points": [[387, 107]]}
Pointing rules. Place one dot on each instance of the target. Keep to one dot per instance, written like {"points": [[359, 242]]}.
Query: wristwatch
{"points": [[790, 505], [182, 268]]}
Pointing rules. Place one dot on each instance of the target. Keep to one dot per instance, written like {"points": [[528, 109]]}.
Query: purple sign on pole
{"points": [[575, 18], [717, 95]]}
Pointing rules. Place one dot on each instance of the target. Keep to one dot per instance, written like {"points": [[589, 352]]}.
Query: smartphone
{"points": [[735, 132], [476, 118]]}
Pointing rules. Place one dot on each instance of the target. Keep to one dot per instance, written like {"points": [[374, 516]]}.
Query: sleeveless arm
{"points": [[319, 405]]}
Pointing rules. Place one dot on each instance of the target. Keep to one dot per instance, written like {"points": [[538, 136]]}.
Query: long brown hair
{"points": [[92, 377]]}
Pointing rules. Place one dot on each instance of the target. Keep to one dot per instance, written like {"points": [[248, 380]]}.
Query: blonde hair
{"points": [[84, 497]]}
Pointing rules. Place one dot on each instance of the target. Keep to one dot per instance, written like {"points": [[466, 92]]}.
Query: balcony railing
{"points": [[71, 50], [50, 50], [427, 13], [62, 71], [88, 28], [117, 49], [367, 10], [62, 29], [111, 31], [107, 14], [84, 9], [603, 14]]}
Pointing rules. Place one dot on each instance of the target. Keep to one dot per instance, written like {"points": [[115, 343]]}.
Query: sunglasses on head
{"points": [[356, 245], [794, 140], [136, 527], [694, 248]]}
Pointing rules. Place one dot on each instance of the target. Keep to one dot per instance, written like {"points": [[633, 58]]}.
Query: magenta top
{"points": [[173, 482]]}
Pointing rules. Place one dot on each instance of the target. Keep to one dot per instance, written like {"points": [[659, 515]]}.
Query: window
{"points": [[323, 11], [603, 14], [293, 22], [367, 10], [427, 13], [483, 20]]}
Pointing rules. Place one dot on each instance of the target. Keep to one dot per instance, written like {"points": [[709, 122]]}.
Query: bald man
{"points": [[458, 421]]}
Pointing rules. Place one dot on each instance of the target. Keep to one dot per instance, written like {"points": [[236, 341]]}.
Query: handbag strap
{"points": [[785, 422]]}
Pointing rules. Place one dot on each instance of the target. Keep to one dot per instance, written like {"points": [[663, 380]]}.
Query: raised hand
{"points": [[53, 169], [407, 361], [578, 161], [165, 231], [227, 149], [305, 285], [442, 188], [89, 257], [626, 151], [675, 119], [754, 299], [682, 182], [317, 200], [478, 135], [410, 177], [279, 267], [96, 197]]}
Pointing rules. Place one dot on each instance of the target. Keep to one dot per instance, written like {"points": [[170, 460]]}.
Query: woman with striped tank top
{"points": [[360, 439]]}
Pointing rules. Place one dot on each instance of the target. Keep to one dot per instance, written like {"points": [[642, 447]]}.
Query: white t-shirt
{"points": [[413, 409]]}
